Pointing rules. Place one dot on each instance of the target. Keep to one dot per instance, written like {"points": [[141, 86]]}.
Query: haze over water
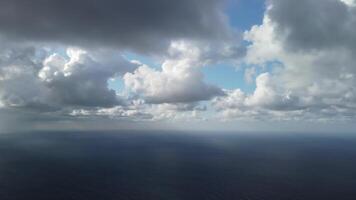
{"points": [[172, 165]]}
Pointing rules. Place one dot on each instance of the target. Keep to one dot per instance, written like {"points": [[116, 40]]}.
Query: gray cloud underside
{"points": [[315, 25], [143, 26], [54, 81]]}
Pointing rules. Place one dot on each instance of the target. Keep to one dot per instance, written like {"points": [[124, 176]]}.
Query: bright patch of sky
{"points": [[243, 14], [116, 84], [227, 77]]}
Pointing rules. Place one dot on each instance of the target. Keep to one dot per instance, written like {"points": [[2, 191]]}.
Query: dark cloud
{"points": [[315, 24], [133, 24], [18, 84], [82, 80], [54, 82]]}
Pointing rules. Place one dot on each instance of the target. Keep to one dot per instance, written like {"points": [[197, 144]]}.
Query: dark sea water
{"points": [[176, 166]]}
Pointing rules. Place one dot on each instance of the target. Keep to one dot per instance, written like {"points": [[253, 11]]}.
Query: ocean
{"points": [[164, 165]]}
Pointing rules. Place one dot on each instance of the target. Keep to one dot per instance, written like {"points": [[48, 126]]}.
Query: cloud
{"points": [[71, 84], [19, 86], [139, 111], [142, 26], [267, 100], [57, 59], [56, 81], [117, 112], [329, 24], [179, 81], [67, 85], [82, 79], [269, 95], [310, 46]]}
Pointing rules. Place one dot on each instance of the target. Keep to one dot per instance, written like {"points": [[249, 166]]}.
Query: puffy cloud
{"points": [[39, 84], [53, 81], [143, 26], [267, 99], [310, 46], [41, 76], [269, 95], [19, 86], [314, 24], [70, 84], [180, 79], [81, 80], [301, 59]]}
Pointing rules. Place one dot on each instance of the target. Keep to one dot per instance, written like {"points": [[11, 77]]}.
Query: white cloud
{"points": [[179, 80], [301, 59], [82, 78], [349, 2], [313, 81], [56, 81], [19, 86]]}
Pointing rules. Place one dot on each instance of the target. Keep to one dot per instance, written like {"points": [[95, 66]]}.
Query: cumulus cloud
{"points": [[329, 24], [143, 26], [301, 60], [268, 98], [309, 46], [19, 86], [53, 81], [59, 55], [72, 84], [180, 79], [43, 71], [82, 78]]}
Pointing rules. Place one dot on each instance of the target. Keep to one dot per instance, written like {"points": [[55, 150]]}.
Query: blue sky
{"points": [[245, 13], [242, 14]]}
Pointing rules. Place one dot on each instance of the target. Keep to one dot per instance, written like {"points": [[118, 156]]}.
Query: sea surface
{"points": [[135, 165]]}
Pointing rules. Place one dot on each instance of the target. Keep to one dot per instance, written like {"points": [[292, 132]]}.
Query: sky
{"points": [[237, 65]]}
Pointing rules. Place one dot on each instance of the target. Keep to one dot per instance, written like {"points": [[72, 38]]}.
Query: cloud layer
{"points": [[142, 26]]}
